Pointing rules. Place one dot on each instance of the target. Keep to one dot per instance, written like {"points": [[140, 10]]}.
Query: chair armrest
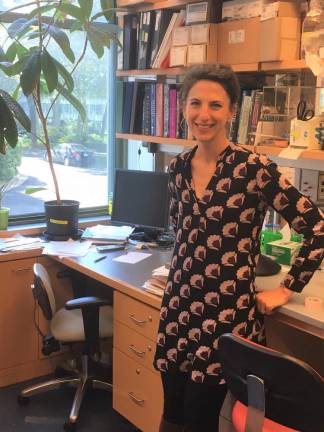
{"points": [[82, 302]]}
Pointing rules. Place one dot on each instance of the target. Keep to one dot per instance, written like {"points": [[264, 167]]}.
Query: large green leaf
{"points": [[74, 102], [20, 26], [8, 124], [16, 68], [31, 73], [73, 11], [2, 55], [16, 110], [65, 74], [96, 44], [86, 6], [62, 40], [49, 70]]}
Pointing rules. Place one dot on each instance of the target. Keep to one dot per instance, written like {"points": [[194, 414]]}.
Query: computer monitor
{"points": [[141, 199]]}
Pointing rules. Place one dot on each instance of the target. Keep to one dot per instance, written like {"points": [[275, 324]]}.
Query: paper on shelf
{"points": [[132, 257], [67, 248], [290, 153]]}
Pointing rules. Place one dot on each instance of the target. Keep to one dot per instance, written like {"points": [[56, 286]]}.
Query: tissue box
{"points": [[284, 251]]}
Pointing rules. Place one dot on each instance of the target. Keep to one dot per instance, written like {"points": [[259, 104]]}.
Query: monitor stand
{"points": [[144, 234]]}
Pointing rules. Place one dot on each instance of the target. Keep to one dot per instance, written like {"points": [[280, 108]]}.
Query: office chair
{"points": [[84, 319], [274, 392]]}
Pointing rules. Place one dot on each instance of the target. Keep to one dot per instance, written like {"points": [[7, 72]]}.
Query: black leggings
{"points": [[196, 406]]}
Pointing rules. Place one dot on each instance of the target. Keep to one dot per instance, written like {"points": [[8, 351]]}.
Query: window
{"points": [[79, 150]]}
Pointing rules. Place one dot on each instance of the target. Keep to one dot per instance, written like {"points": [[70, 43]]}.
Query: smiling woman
{"points": [[81, 147]]}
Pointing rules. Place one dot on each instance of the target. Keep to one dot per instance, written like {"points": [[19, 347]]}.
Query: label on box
{"points": [[236, 36], [196, 12], [178, 56], [284, 251]]}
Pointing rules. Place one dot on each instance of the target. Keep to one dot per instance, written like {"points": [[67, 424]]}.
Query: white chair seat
{"points": [[67, 325]]}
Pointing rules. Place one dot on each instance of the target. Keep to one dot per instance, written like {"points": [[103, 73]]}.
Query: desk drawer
{"points": [[136, 315], [137, 393], [136, 346]]}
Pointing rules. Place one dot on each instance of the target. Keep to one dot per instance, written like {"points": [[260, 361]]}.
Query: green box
{"points": [[285, 251]]}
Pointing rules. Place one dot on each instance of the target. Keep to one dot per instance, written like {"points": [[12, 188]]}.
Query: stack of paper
{"points": [[67, 248], [108, 234], [20, 242], [156, 284]]}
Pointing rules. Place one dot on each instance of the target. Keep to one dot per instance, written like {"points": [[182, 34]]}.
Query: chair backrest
{"points": [[43, 292], [294, 392]]}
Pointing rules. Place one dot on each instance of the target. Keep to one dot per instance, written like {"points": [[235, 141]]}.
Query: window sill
{"points": [[38, 228]]}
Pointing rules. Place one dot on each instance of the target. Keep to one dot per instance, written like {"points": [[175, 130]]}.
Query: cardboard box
{"points": [[180, 36], [203, 34], [279, 39], [239, 41], [280, 9], [307, 134], [198, 54], [284, 251], [241, 9], [178, 56]]}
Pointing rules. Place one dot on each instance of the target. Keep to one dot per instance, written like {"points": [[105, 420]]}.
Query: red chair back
{"points": [[293, 391]]}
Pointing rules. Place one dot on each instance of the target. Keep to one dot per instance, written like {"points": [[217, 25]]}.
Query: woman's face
{"points": [[207, 111]]}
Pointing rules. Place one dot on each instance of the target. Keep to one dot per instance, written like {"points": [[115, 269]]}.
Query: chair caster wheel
{"points": [[69, 427], [22, 400]]}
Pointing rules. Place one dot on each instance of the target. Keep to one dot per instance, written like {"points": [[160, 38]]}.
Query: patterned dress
{"points": [[211, 285]]}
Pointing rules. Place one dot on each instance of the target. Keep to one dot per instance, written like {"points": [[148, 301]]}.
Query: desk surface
{"points": [[129, 279]]}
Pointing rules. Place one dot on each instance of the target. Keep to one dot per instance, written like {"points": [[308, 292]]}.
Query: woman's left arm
{"points": [[305, 218]]}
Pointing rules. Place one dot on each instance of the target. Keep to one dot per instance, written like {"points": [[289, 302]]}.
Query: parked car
{"points": [[72, 154]]}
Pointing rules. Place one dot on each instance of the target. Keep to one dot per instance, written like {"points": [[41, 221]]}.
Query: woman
{"points": [[219, 196]]}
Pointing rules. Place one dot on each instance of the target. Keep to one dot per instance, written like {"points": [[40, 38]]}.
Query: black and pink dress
{"points": [[211, 285]]}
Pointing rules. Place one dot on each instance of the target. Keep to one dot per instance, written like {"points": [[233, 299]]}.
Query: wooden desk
{"points": [[292, 330]]}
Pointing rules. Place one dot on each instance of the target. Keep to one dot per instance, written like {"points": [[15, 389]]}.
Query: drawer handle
{"points": [[138, 401], [132, 317], [22, 270], [135, 351]]}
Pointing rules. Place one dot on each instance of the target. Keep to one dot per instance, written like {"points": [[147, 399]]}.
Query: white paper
{"points": [[67, 248], [290, 153], [161, 271], [132, 257]]}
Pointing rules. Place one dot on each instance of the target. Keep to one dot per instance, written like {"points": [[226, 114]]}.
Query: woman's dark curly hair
{"points": [[218, 73]]}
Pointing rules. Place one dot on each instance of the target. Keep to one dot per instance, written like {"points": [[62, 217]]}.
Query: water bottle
{"points": [[313, 37]]}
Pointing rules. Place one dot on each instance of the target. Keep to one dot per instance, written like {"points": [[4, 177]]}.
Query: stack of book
{"points": [[157, 283]]}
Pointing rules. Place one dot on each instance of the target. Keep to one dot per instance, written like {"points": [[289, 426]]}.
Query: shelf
{"points": [[317, 155], [283, 65], [156, 139], [244, 67]]}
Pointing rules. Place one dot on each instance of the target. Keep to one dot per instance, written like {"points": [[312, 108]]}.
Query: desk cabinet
{"points": [[20, 345], [18, 338], [137, 387]]}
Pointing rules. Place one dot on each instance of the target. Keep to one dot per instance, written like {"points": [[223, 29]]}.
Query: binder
{"points": [[130, 41]]}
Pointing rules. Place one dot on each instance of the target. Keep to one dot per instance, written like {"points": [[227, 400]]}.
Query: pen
{"points": [[100, 258]]}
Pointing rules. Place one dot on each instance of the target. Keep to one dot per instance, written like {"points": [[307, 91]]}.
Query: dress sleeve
{"points": [[301, 214], [173, 196]]}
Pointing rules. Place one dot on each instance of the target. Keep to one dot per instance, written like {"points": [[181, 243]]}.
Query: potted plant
{"points": [[41, 75]]}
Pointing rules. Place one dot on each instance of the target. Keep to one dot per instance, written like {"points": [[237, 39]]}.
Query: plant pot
{"points": [[4, 215], [61, 219]]}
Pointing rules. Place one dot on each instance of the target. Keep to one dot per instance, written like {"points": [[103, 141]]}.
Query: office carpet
{"points": [[48, 412]]}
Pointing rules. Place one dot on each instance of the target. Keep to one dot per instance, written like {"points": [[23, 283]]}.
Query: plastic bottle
{"points": [[313, 37]]}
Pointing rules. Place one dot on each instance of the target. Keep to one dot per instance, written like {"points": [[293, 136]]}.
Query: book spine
{"points": [[166, 110], [159, 109], [153, 109], [172, 113]]}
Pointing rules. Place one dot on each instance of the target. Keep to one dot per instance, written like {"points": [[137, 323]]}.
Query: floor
{"points": [[48, 412]]}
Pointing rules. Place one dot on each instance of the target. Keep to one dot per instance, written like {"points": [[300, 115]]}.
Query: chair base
{"points": [[81, 382]]}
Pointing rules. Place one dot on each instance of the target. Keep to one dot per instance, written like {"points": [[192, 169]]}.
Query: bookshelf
{"points": [[162, 75]]}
